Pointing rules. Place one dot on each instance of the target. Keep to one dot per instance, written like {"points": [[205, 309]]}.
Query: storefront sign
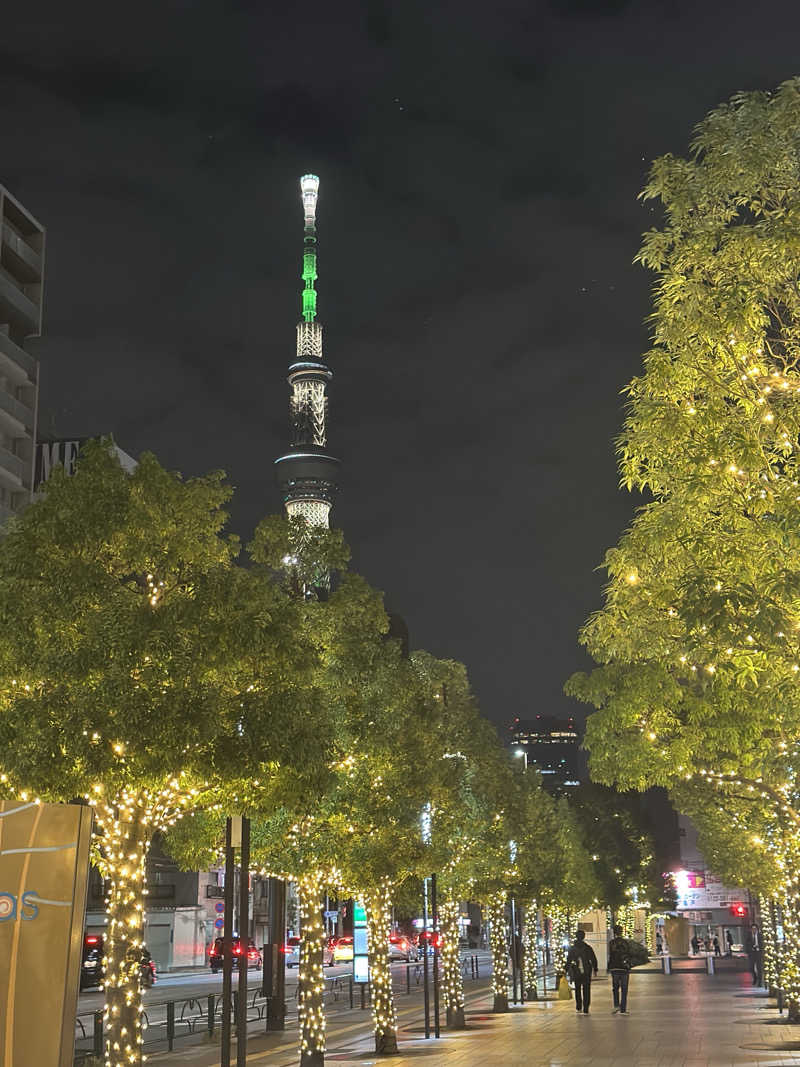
{"points": [[44, 864]]}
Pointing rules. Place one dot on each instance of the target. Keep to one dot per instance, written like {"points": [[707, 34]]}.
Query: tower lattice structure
{"points": [[307, 474]]}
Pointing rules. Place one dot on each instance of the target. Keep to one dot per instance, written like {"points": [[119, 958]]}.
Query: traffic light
{"points": [[738, 910]]}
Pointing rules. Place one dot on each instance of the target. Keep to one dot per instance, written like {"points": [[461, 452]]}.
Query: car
{"points": [[292, 952], [343, 950], [92, 961], [253, 955], [402, 948], [429, 938]]}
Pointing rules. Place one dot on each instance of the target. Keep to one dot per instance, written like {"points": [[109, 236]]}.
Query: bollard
{"points": [[477, 974], [97, 1034], [666, 966], [211, 1014], [710, 964], [351, 991], [170, 1024], [408, 979]]}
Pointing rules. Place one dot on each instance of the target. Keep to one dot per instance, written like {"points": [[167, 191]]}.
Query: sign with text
{"points": [[44, 865], [360, 945]]}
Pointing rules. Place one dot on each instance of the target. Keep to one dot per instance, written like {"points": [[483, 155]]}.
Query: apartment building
{"points": [[22, 245]]}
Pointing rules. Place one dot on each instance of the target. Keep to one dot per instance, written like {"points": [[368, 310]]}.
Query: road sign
{"points": [[219, 923], [332, 914], [219, 907]]}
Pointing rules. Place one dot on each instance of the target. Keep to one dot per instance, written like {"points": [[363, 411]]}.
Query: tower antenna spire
{"points": [[307, 475], [309, 191]]}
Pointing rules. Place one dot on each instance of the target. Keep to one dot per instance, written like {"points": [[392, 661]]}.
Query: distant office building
{"points": [[22, 242], [552, 745]]}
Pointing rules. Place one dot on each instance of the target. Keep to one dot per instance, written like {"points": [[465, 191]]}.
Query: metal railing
{"points": [[182, 1018]]}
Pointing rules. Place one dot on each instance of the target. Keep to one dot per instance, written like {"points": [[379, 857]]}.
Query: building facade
{"points": [[22, 245]]}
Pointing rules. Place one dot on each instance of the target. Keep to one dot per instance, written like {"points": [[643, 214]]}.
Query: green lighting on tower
{"points": [[309, 188]]}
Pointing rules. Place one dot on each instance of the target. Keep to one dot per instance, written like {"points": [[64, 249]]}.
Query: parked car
{"points": [[402, 948], [92, 961], [253, 955], [343, 950]]}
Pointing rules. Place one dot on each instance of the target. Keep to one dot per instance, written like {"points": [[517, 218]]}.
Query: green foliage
{"points": [[622, 850], [134, 648], [698, 643]]}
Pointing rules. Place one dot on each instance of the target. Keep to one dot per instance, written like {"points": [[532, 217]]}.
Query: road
{"points": [[190, 993]]}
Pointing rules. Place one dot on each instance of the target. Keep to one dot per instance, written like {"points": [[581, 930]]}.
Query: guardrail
{"points": [[168, 1021]]}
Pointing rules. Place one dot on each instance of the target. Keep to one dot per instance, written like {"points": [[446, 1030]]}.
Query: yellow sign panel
{"points": [[44, 862]]}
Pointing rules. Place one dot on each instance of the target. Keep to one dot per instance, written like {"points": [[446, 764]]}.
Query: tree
{"points": [[621, 847], [698, 643], [138, 665]]}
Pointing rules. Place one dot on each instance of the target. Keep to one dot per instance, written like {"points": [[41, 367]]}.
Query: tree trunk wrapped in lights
{"points": [[497, 940], [770, 944], [789, 900], [451, 963], [626, 917], [529, 956], [378, 904], [125, 847], [124, 830], [311, 978], [559, 946]]}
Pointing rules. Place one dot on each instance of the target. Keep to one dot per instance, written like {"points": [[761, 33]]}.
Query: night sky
{"points": [[479, 170]]}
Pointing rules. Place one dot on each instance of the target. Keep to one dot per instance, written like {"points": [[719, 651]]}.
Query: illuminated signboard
{"points": [[360, 945], [44, 864]]}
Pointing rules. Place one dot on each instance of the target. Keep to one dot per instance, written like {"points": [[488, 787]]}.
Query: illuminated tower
{"points": [[307, 475]]}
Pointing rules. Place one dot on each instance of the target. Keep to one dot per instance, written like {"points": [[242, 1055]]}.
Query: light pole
{"points": [[524, 753]]}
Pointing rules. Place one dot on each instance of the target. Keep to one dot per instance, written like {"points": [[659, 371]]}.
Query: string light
{"points": [[378, 904], [497, 939], [453, 979], [311, 978]]}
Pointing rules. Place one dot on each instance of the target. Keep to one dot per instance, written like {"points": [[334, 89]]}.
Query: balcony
{"points": [[16, 306], [20, 413], [22, 260], [13, 470], [15, 363]]}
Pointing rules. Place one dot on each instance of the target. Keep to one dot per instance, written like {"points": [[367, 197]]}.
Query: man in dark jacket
{"points": [[581, 964], [619, 963]]}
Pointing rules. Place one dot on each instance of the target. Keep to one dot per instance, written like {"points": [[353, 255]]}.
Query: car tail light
{"points": [[91, 940]]}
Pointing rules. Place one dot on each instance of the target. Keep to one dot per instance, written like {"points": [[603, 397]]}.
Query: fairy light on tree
{"points": [[698, 658], [378, 905], [124, 675], [496, 912], [311, 976], [449, 913]]}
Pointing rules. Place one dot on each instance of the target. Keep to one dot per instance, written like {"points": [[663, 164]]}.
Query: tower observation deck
{"points": [[307, 474]]}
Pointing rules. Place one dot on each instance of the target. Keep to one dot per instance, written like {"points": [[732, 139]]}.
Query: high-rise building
{"points": [[552, 745], [307, 475], [22, 241]]}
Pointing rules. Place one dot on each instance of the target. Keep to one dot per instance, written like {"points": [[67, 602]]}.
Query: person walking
{"points": [[659, 945], [752, 947], [695, 944], [717, 951], [619, 963], [729, 942], [581, 964]]}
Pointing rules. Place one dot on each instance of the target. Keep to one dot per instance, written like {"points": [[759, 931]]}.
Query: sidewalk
{"points": [[680, 1020]]}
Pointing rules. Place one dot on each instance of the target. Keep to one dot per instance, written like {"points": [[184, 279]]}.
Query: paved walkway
{"points": [[680, 1020]]}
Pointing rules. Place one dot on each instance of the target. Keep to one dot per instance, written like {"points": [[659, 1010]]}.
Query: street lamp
{"points": [[524, 753]]}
